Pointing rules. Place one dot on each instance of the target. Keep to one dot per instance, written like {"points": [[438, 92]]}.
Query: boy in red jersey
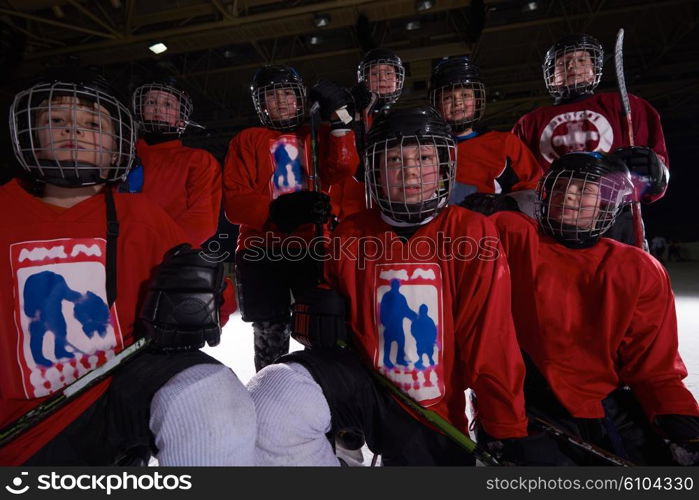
{"points": [[596, 319], [580, 120], [184, 181], [79, 260], [267, 189], [490, 163]]}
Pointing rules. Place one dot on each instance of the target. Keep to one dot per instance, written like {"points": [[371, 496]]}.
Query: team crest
{"points": [[409, 312], [575, 131], [287, 156], [64, 326]]}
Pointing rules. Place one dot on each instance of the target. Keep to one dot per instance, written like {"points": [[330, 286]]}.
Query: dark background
{"points": [[214, 47]]}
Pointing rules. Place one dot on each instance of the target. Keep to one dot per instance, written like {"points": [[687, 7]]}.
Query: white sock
{"points": [[204, 416], [292, 417]]}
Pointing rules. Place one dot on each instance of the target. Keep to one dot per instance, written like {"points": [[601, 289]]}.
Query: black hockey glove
{"points": [[536, 449], [647, 169], [331, 98], [291, 210], [361, 95], [180, 309], [683, 433], [488, 204], [318, 318]]}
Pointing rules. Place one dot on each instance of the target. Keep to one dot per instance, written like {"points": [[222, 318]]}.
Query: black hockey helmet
{"points": [[453, 74], [581, 195], [409, 189], [559, 56], [157, 93], [272, 81], [371, 60], [69, 129]]}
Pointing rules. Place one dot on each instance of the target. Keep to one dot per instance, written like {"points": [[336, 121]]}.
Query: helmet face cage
{"points": [[577, 207], [169, 109], [392, 69], [581, 61], [410, 177], [467, 96], [286, 119], [70, 134]]}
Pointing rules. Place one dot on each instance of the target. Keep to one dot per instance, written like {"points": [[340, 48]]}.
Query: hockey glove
{"points": [[291, 210], [180, 309], [536, 449], [361, 95], [683, 433], [649, 173], [488, 204], [318, 318], [331, 98]]}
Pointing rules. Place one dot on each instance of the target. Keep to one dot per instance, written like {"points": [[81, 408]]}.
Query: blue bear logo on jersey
{"points": [[44, 294]]}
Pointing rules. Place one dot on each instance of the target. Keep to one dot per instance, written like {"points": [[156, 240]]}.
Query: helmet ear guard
{"points": [[72, 131], [269, 80], [580, 197]]}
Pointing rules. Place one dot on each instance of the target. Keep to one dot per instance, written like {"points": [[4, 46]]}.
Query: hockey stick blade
{"points": [[581, 443], [53, 403]]}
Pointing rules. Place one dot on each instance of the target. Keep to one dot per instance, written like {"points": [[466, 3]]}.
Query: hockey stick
{"points": [[366, 112], [440, 422], [314, 114], [626, 110], [581, 443], [79, 386]]}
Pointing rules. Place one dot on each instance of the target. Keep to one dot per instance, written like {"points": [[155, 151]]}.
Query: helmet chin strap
{"points": [[401, 223], [398, 223]]}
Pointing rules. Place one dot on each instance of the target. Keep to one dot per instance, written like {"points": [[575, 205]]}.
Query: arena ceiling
{"points": [[214, 46]]}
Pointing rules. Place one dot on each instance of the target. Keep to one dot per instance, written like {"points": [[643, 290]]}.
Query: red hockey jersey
{"points": [[592, 124], [55, 323], [594, 319], [262, 164], [493, 162], [347, 197], [186, 183], [433, 314]]}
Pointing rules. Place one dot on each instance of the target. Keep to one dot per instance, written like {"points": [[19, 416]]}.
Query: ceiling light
{"points": [[413, 25], [158, 48], [529, 6], [423, 5], [321, 20], [315, 40]]}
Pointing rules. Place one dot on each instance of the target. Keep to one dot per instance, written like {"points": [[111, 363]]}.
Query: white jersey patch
{"points": [[575, 131], [409, 313], [64, 326]]}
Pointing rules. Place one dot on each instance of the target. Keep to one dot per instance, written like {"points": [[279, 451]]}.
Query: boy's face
{"points": [[575, 202], [160, 106], [69, 130], [575, 67], [457, 104], [382, 78], [409, 174], [281, 104]]}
